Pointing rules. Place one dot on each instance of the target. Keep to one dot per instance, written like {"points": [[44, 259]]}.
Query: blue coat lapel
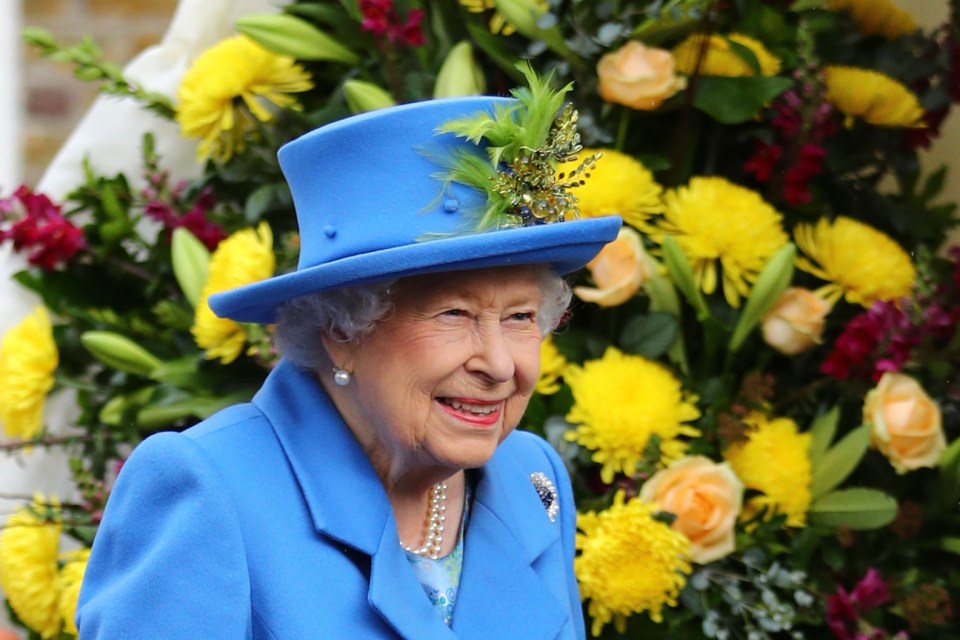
{"points": [[500, 593], [501, 596]]}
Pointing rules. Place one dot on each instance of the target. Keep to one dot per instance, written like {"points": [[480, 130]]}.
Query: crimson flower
{"points": [[380, 18], [38, 228], [194, 219]]}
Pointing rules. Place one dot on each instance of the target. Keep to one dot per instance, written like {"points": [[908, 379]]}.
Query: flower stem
{"points": [[622, 128]]}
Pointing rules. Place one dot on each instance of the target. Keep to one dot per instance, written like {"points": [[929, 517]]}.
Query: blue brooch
{"points": [[547, 492]]}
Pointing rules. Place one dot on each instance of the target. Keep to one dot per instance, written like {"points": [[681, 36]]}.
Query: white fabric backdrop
{"points": [[108, 135]]}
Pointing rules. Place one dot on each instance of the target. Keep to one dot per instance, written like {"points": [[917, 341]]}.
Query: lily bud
{"points": [[365, 96], [459, 75], [119, 352], [294, 37], [191, 263]]}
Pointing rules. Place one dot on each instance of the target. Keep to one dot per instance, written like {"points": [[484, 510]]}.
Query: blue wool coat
{"points": [[267, 521]]}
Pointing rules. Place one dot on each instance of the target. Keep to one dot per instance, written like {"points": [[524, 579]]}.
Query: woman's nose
{"points": [[492, 356]]}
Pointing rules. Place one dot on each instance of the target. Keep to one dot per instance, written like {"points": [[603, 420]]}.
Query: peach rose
{"points": [[795, 321], [905, 423], [638, 77], [619, 270], [706, 498]]}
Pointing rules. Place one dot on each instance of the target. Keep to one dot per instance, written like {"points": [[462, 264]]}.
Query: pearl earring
{"points": [[341, 377]]}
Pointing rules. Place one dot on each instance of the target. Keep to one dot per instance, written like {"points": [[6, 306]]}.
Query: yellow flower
{"points": [[714, 220], [230, 85], [720, 59], [859, 262], [620, 402], [877, 17], [872, 96], [629, 562], [71, 575], [29, 545], [774, 461], [245, 257], [618, 184], [28, 358], [498, 24], [552, 364]]}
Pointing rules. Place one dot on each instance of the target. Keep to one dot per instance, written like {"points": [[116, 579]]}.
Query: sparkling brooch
{"points": [[547, 492]]}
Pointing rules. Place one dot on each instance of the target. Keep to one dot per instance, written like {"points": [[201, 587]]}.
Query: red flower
{"points": [[765, 157], [381, 19], [877, 340], [39, 228], [195, 219]]}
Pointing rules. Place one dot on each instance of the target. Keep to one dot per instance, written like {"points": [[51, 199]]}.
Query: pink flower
{"points": [[871, 591]]}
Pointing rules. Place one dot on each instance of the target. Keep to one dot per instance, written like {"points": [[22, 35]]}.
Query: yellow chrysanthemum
{"points": [[721, 59], [28, 358], [618, 184], [620, 402], [71, 576], [228, 86], [774, 461], [552, 364], [714, 220], [859, 262], [29, 546], [877, 17], [245, 257], [498, 24], [871, 96], [629, 562]]}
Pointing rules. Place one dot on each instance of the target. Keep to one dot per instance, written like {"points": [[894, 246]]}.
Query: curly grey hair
{"points": [[349, 313]]}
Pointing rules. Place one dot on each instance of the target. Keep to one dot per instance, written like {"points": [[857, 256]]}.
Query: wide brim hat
{"points": [[372, 205]]}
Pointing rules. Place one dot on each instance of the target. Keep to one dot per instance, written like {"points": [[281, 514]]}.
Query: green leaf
{"points": [[736, 100], [772, 281], [181, 372], [839, 461], [822, 431], [682, 275], [950, 473], [650, 334], [803, 5], [951, 544], [859, 509], [496, 50]]}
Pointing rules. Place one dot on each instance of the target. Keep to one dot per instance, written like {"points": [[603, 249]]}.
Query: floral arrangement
{"points": [[756, 393]]}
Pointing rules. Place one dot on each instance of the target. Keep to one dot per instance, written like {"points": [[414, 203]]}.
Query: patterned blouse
{"points": [[440, 578]]}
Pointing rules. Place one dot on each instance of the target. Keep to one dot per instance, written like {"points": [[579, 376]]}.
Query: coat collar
{"points": [[508, 528]]}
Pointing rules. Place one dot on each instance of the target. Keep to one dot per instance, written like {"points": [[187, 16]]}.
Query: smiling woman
{"points": [[376, 487]]}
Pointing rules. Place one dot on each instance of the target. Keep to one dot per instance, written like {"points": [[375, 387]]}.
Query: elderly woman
{"points": [[375, 486]]}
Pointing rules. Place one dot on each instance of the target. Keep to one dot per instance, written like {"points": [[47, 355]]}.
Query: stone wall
{"points": [[53, 99]]}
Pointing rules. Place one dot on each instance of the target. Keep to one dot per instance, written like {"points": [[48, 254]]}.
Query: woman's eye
{"points": [[454, 313], [523, 316]]}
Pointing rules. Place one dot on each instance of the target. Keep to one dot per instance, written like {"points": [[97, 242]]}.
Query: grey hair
{"points": [[350, 313]]}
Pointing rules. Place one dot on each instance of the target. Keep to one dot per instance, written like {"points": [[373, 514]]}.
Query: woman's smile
{"points": [[473, 411]]}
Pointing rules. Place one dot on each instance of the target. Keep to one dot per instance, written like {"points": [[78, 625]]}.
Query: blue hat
{"points": [[371, 205]]}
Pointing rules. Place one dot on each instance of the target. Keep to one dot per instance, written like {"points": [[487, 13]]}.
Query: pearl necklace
{"points": [[436, 515]]}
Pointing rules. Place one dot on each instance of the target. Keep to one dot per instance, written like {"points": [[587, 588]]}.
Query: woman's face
{"points": [[447, 375]]}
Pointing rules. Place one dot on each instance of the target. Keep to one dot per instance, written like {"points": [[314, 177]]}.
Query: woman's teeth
{"points": [[479, 409]]}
